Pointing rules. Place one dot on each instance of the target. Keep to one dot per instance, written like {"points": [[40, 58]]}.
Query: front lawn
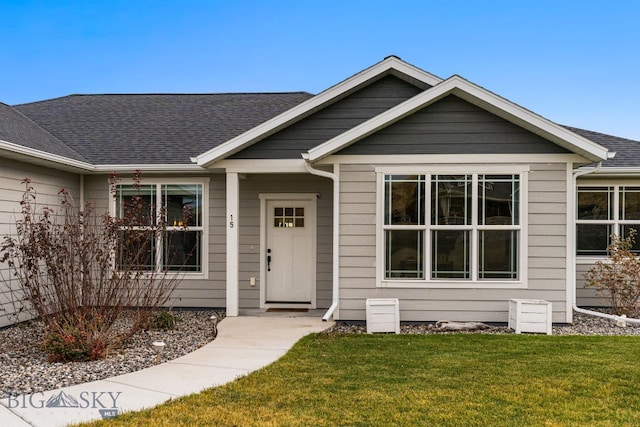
{"points": [[438, 380]]}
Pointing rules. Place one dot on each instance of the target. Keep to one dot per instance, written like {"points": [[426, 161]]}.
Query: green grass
{"points": [[439, 380]]}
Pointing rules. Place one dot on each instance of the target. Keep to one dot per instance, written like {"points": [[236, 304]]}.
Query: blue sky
{"points": [[574, 62]]}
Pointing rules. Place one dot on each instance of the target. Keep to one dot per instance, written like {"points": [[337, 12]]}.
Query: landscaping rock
{"points": [[24, 367], [583, 325]]}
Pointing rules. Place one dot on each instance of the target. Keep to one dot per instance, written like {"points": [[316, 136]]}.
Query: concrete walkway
{"points": [[243, 345]]}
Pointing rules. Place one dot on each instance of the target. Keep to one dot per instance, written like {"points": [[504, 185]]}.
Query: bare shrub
{"points": [[81, 271], [618, 278]]}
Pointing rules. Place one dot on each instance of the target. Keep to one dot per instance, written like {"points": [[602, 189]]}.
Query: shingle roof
{"points": [[627, 150], [18, 129], [172, 128], [156, 128]]}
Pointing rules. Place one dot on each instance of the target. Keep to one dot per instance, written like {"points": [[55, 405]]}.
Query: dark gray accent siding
{"points": [[452, 126], [333, 120]]}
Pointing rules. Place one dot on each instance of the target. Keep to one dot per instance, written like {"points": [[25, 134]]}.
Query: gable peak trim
{"points": [[476, 95]]}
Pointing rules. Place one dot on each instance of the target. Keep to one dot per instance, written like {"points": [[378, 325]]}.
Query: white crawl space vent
{"points": [[383, 315], [530, 315]]}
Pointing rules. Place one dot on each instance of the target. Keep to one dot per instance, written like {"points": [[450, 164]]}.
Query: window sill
{"points": [[421, 284], [184, 275]]}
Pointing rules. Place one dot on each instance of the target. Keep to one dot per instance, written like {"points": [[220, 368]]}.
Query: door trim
{"points": [[264, 198]]}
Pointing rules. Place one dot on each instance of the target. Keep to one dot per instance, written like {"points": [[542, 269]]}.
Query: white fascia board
{"points": [[32, 155], [618, 172], [263, 165], [169, 168], [451, 159], [476, 95], [311, 105], [54, 161]]}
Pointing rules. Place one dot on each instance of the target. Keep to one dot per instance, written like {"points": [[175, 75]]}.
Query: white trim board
{"points": [[31, 155], [453, 159]]}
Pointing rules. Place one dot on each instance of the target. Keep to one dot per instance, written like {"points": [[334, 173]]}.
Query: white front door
{"points": [[289, 252]]}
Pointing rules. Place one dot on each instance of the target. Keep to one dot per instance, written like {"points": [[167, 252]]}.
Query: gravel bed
{"points": [[582, 325], [24, 367]]}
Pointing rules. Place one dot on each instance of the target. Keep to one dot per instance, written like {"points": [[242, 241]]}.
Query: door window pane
{"points": [[498, 254], [404, 254], [450, 254], [288, 217]]}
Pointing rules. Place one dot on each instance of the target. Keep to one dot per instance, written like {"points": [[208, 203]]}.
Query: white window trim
{"points": [[521, 170], [615, 222], [158, 182]]}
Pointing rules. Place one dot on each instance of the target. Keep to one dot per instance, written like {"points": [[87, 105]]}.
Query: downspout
{"points": [[336, 232], [621, 320]]}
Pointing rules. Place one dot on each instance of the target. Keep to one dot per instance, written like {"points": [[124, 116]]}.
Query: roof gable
{"points": [[473, 94], [390, 65], [331, 121]]}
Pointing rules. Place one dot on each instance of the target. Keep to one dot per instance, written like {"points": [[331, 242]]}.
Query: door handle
{"points": [[269, 260]]}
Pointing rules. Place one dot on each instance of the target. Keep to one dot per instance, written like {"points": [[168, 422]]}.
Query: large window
{"points": [[463, 227], [180, 246], [603, 211]]}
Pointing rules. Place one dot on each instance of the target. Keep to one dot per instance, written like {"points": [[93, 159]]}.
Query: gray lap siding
{"points": [[47, 183], [250, 189], [359, 255], [196, 292]]}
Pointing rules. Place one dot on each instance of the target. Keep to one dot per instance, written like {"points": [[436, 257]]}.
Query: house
{"points": [[391, 183]]}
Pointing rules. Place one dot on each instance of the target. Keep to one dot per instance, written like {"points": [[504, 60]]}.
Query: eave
{"points": [[38, 157], [32, 156]]}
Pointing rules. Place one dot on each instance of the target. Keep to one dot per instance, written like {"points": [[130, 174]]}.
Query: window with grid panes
{"points": [[602, 211], [180, 246], [467, 227]]}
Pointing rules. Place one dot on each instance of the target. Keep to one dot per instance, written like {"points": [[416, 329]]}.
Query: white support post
{"points": [[232, 224]]}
